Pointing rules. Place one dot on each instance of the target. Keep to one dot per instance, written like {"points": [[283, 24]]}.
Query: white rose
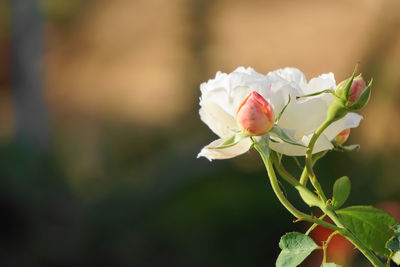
{"points": [[222, 96]]}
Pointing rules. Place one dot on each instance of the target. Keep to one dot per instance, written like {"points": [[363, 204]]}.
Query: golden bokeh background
{"points": [[121, 85]]}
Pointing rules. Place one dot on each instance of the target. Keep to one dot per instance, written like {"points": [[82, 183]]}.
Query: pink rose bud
{"points": [[343, 136], [255, 115], [356, 88]]}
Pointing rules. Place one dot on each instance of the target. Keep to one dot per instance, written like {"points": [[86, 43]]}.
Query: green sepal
{"points": [[343, 89], [330, 91], [235, 139], [276, 157], [370, 225], [262, 144], [342, 148], [279, 156], [277, 118], [341, 191], [295, 249], [336, 110], [363, 99], [282, 135]]}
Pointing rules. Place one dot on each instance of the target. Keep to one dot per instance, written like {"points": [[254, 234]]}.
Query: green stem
{"points": [[315, 158], [326, 208], [304, 177], [309, 160], [283, 172], [314, 225], [278, 192], [352, 238], [389, 259], [326, 243]]}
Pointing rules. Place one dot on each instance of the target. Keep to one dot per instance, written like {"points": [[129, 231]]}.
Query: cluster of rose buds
{"points": [[255, 115]]}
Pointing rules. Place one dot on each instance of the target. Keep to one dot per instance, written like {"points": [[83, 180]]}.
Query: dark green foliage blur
{"points": [[177, 212], [158, 206]]}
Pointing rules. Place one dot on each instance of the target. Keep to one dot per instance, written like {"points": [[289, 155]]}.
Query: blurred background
{"points": [[99, 127]]}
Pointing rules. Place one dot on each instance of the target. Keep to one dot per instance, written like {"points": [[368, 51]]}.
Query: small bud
{"points": [[342, 137], [358, 85], [350, 95], [255, 115], [360, 97]]}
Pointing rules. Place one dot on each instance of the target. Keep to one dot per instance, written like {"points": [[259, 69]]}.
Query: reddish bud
{"points": [[356, 88], [255, 115], [342, 137]]}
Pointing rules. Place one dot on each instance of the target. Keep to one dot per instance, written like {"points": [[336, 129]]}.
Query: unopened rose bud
{"points": [[351, 95], [342, 137], [358, 85], [255, 115]]}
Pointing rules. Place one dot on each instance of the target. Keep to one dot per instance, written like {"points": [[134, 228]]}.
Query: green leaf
{"points": [[295, 248], [341, 191], [284, 136], [330, 264], [370, 225], [396, 258]]}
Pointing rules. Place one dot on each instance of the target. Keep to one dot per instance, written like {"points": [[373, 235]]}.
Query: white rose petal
{"points": [[294, 76], [217, 126], [304, 116], [351, 120], [211, 152], [222, 89], [220, 122], [323, 82], [222, 96], [322, 144]]}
